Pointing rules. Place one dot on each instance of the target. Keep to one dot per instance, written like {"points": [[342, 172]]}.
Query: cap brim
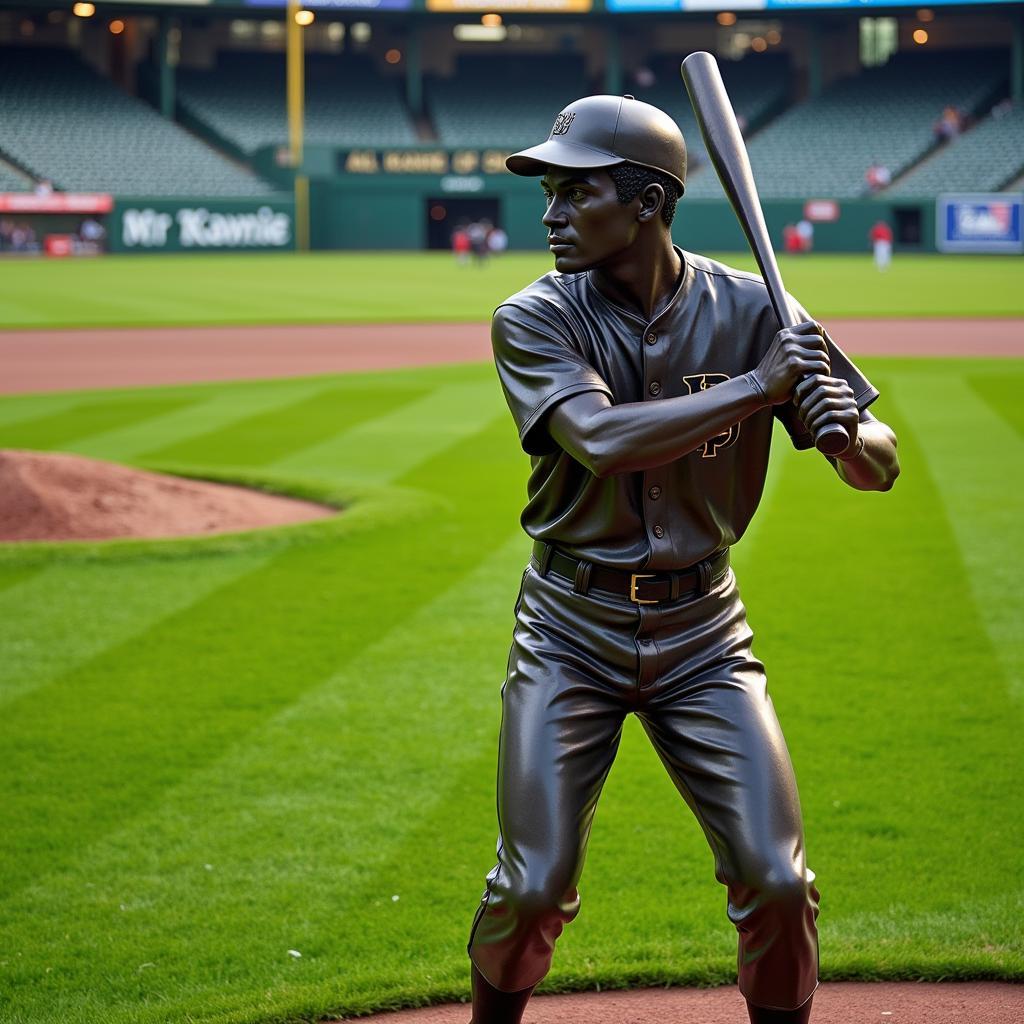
{"points": [[535, 161]]}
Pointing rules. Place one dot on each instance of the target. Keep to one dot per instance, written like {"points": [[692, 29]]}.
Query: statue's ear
{"points": [[652, 200]]}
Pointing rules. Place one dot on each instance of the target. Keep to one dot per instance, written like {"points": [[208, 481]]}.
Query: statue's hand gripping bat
{"points": [[724, 143]]}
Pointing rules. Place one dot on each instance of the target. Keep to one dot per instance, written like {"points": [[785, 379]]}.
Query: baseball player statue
{"points": [[644, 382]]}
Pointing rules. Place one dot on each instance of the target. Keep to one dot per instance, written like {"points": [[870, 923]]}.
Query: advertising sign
{"points": [[341, 5], [515, 6], [979, 222], [774, 5], [422, 161], [56, 202], [821, 209], [197, 226]]}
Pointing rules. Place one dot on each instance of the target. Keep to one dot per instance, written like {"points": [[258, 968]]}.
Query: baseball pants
{"points": [[579, 664]]}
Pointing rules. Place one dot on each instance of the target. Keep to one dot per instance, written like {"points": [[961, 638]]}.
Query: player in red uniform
{"points": [[881, 243]]}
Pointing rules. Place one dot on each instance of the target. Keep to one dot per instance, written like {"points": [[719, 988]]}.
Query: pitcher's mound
{"points": [[842, 1002], [54, 496]]}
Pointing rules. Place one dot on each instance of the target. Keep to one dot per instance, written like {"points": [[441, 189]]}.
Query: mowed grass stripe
{"points": [[271, 436], [15, 575], [782, 451], [101, 742], [208, 411], [981, 454], [334, 772], [15, 409], [348, 287], [97, 611], [87, 419], [1001, 392], [382, 449], [100, 616]]}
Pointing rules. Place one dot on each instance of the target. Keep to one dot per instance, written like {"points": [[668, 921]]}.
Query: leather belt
{"points": [[638, 587]]}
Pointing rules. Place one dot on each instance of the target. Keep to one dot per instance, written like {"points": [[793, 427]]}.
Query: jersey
{"points": [[880, 232], [561, 336]]}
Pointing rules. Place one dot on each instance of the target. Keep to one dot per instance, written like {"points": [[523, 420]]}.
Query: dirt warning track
{"points": [[139, 357], [975, 1002]]}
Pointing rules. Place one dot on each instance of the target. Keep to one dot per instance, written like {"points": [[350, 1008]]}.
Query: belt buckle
{"points": [[632, 587]]}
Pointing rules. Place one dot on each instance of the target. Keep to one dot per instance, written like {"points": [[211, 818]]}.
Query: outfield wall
{"points": [[420, 211], [388, 211], [384, 215]]}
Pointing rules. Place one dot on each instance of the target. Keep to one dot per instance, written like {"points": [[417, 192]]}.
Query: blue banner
{"points": [[624, 6], [979, 222]]}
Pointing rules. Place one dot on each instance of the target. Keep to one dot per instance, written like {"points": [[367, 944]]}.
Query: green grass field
{"points": [[410, 287], [218, 752]]}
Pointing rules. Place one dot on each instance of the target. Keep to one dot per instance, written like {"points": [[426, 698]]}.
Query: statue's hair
{"points": [[631, 179]]}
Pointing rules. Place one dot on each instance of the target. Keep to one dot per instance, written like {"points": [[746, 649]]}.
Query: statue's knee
{"points": [[781, 887], [546, 898], [784, 884]]}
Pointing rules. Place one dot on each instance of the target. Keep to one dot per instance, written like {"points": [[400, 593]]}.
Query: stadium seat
{"points": [[986, 158], [347, 102], [12, 181], [758, 86], [821, 148], [78, 130], [479, 107]]}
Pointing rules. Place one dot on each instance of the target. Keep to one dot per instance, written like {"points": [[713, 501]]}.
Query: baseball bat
{"points": [[717, 122]]}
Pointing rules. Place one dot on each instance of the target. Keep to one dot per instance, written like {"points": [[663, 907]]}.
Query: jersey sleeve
{"points": [[538, 366], [844, 368]]}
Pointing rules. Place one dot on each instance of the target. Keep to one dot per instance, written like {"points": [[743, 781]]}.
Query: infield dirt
{"points": [[138, 357], [55, 496], [835, 1003]]}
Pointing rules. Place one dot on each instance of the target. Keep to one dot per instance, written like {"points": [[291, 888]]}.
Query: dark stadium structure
{"points": [[147, 126]]}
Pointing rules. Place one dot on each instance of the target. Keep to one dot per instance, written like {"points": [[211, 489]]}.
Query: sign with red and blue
{"points": [[979, 222]]}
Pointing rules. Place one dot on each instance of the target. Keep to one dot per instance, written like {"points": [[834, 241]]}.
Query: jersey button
{"points": [[651, 338], [654, 493], [659, 532], [654, 387]]}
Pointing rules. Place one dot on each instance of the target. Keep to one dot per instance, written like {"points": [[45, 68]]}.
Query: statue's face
{"points": [[587, 225]]}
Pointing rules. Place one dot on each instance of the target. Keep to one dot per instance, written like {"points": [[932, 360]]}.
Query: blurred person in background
{"points": [[23, 238], [645, 77], [497, 241], [877, 176], [949, 125], [91, 234], [805, 229], [478, 232], [460, 244], [881, 244]]}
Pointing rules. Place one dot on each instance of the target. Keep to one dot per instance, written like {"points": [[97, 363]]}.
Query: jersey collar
{"points": [[685, 279]]}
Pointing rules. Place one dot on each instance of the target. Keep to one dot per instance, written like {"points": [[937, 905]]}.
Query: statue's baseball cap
{"points": [[601, 131]]}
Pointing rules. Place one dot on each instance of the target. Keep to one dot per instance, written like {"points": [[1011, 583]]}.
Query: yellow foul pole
{"points": [[296, 113]]}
